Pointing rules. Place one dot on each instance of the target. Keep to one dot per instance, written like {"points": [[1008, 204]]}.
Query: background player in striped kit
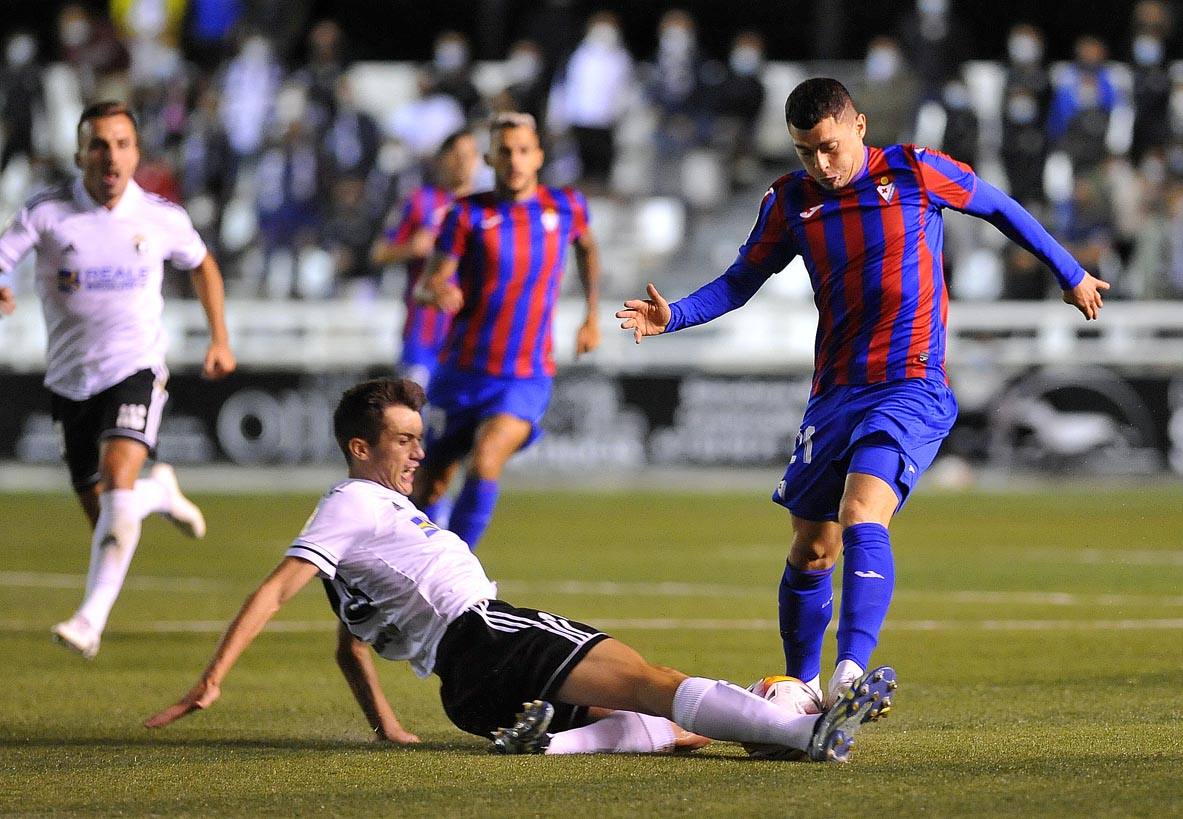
{"points": [[867, 223], [411, 242], [101, 243], [415, 592], [507, 250]]}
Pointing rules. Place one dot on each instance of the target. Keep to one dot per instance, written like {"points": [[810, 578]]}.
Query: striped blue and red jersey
{"points": [[511, 257], [873, 249], [426, 327]]}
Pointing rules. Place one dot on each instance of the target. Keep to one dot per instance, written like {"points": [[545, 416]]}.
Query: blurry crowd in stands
{"points": [[253, 118]]}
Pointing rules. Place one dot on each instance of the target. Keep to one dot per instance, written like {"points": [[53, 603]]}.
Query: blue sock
{"points": [[868, 576], [474, 509], [806, 606], [440, 512]]}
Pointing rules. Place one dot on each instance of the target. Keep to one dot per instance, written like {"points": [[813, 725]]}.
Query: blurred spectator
{"points": [[1081, 104], [210, 26], [450, 73], [1085, 227], [22, 98], [674, 88], [737, 102], [590, 95], [1153, 17], [888, 93], [346, 235], [961, 123], [1024, 277], [93, 49], [1152, 94], [206, 166], [151, 30], [288, 190], [424, 123], [320, 75], [527, 88], [934, 43], [247, 89], [1025, 69], [351, 140], [1151, 271], [555, 26]]}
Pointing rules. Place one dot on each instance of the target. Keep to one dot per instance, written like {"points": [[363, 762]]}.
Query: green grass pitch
{"points": [[1038, 640]]}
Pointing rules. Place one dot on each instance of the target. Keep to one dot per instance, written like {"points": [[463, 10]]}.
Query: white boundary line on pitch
{"points": [[610, 588], [9, 626]]}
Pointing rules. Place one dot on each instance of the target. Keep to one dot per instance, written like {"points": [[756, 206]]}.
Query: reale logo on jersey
{"points": [[550, 220], [68, 281]]}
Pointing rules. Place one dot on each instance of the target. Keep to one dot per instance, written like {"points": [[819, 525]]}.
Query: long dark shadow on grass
{"points": [[113, 743]]}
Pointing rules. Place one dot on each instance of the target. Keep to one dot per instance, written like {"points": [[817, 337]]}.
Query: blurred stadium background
{"points": [[291, 130]]}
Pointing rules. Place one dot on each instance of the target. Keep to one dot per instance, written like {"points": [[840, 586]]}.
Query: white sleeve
{"points": [[187, 249], [18, 238], [340, 521]]}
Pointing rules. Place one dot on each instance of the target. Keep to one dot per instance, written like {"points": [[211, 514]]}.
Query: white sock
{"points": [[116, 535], [722, 710], [151, 497], [621, 732]]}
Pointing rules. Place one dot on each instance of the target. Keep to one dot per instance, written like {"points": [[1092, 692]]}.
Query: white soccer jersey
{"points": [[399, 579], [98, 276]]}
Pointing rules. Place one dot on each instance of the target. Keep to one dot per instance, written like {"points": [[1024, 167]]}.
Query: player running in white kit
{"points": [[101, 243]]}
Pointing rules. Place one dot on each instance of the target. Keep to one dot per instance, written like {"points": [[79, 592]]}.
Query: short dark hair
{"points": [[814, 100], [360, 411], [108, 108], [450, 141]]}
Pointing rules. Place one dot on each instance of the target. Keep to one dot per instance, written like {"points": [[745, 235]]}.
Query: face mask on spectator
{"points": [[676, 40], [1147, 50], [882, 63], [21, 50], [604, 35], [523, 66], [1024, 49], [745, 60], [450, 56], [1021, 109]]}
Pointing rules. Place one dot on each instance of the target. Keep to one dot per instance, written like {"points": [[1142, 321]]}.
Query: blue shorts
{"points": [[890, 430], [458, 401]]}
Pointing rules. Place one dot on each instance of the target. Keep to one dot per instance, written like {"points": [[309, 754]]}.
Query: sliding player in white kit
{"points": [[101, 243], [415, 592]]}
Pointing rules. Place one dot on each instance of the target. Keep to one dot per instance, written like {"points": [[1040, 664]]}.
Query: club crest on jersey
{"points": [[886, 188], [550, 220], [68, 281], [426, 525], [140, 242]]}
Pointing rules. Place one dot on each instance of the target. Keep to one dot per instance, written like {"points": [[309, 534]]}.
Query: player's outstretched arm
{"points": [[207, 282], [356, 662], [645, 317], [587, 261], [291, 575], [436, 287], [7, 301], [1086, 296]]}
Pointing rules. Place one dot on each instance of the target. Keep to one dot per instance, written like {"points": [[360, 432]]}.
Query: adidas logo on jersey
{"points": [[132, 416]]}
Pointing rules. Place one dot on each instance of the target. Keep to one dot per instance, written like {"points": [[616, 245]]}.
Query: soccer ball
{"points": [[792, 695]]}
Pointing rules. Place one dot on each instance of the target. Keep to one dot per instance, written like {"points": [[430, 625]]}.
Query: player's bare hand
{"points": [[1086, 296], [7, 301], [422, 243], [645, 317], [396, 734], [588, 336], [219, 362], [199, 697]]}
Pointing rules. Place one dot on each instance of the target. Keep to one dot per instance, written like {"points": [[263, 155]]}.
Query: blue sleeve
{"points": [[991, 204], [731, 290]]}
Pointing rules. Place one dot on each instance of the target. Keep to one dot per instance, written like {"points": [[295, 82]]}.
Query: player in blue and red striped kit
{"points": [[867, 223], [411, 242], [507, 249]]}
